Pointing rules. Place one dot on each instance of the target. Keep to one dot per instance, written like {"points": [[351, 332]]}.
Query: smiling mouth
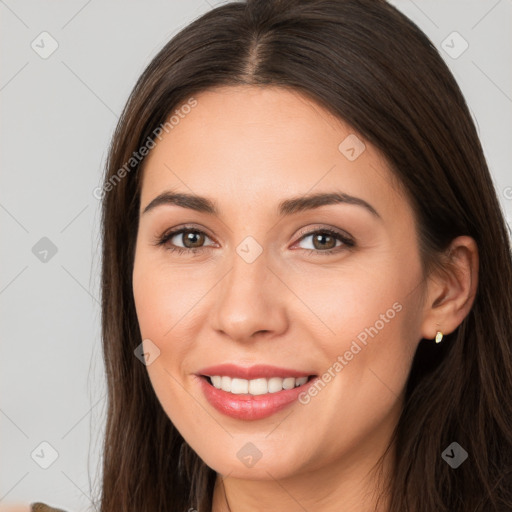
{"points": [[255, 387]]}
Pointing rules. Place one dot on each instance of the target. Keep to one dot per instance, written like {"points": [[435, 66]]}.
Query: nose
{"points": [[250, 301]]}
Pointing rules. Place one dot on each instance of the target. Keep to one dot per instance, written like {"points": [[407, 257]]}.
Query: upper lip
{"points": [[258, 371]]}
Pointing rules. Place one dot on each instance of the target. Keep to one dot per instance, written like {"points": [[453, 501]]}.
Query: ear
{"points": [[451, 290]]}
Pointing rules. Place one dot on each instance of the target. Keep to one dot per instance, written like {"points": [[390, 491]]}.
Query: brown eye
{"points": [[183, 240], [324, 241], [192, 239]]}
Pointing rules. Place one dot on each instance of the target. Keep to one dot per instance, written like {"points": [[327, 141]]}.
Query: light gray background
{"points": [[58, 115]]}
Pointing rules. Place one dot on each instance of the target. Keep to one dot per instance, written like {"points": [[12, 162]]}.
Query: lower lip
{"points": [[251, 407]]}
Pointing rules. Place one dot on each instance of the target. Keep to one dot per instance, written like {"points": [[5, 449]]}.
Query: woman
{"points": [[307, 279]]}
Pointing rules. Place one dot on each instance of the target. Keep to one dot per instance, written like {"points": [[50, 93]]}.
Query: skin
{"points": [[248, 148]]}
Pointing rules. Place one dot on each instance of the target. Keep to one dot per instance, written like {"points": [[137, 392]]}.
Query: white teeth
{"points": [[288, 383], [301, 381], [256, 386], [225, 383], [275, 384], [239, 386]]}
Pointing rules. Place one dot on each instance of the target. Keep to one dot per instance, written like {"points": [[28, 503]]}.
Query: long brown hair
{"points": [[370, 65]]}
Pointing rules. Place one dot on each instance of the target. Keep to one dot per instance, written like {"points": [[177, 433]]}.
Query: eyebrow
{"points": [[285, 208]]}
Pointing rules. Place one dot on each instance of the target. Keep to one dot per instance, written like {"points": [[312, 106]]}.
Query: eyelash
{"points": [[165, 237]]}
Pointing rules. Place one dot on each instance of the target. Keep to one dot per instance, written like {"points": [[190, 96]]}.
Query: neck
{"points": [[351, 485]]}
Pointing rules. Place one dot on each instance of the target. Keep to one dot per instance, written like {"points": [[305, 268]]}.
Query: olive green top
{"points": [[42, 507]]}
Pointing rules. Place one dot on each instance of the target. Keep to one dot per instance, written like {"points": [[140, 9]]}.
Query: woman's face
{"points": [[272, 287]]}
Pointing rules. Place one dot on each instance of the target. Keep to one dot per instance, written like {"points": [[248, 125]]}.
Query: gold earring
{"points": [[439, 337]]}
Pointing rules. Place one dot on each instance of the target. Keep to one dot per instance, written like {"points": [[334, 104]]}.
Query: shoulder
{"points": [[32, 507], [43, 507]]}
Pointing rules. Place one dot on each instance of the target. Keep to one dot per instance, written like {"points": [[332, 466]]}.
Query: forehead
{"points": [[262, 143]]}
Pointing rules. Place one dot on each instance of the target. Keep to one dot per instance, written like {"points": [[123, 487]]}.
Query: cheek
{"points": [[365, 325], [344, 303], [164, 302], [168, 302], [164, 297]]}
